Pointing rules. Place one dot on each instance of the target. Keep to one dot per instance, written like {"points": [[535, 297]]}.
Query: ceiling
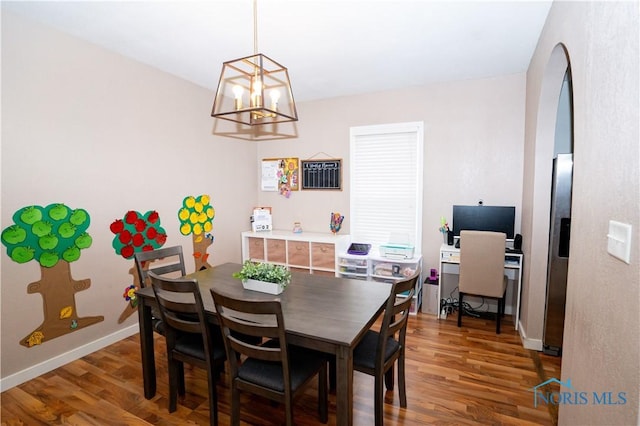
{"points": [[331, 47]]}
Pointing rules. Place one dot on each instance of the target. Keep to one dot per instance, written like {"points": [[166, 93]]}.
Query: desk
{"points": [[450, 259], [324, 313]]}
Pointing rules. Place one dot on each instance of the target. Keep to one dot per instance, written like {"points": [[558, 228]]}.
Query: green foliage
{"points": [[47, 234], [264, 272]]}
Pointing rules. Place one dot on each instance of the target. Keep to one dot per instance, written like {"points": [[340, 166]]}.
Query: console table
{"points": [[449, 271]]}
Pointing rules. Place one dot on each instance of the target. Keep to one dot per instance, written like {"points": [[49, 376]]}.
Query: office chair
{"points": [[170, 261], [189, 337], [273, 369], [482, 269], [378, 352]]}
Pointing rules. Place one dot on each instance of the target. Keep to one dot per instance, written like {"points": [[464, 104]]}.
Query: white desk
{"points": [[449, 269]]}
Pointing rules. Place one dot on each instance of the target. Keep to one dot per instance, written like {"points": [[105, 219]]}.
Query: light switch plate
{"points": [[619, 240]]}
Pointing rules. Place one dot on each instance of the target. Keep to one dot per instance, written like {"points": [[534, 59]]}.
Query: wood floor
{"points": [[464, 376]]}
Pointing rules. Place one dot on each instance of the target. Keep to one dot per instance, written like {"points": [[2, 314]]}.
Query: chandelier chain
{"points": [[255, 27]]}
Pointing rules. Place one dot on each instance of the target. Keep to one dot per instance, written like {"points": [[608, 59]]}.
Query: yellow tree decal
{"points": [[196, 219], [54, 237]]}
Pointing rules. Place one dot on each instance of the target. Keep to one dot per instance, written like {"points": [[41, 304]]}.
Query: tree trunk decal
{"points": [[200, 255], [58, 291]]}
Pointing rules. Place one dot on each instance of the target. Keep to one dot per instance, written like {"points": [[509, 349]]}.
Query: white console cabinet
{"points": [[310, 252], [379, 268]]}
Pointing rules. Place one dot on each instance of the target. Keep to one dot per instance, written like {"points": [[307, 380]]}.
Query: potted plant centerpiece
{"points": [[264, 277]]}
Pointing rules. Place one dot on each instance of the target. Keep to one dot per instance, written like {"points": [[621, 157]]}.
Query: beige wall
{"points": [[474, 132], [94, 130], [602, 328], [143, 139]]}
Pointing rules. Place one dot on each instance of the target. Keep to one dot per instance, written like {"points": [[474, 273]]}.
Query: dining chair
{"points": [[189, 337], [482, 269], [378, 351], [167, 261], [272, 369]]}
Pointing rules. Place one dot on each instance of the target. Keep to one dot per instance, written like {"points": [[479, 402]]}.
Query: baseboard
{"points": [[527, 343], [65, 358]]}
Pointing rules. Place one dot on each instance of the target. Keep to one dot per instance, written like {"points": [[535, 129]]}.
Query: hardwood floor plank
{"points": [[455, 376]]}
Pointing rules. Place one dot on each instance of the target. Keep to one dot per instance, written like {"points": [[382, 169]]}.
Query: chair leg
{"points": [[460, 309], [332, 373], [213, 396], [379, 401], [181, 388], [389, 378], [323, 400], [401, 382], [173, 384], [288, 407], [499, 314], [235, 405]]}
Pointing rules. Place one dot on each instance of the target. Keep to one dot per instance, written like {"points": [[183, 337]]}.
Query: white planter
{"points": [[262, 286]]}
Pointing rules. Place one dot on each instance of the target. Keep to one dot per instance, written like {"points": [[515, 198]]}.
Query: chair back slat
{"points": [[179, 302], [252, 318], [167, 260]]}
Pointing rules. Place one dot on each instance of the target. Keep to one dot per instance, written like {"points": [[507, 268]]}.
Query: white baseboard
{"points": [[527, 343], [65, 358]]}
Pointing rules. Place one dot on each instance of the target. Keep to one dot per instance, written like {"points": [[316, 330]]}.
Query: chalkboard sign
{"points": [[322, 174]]}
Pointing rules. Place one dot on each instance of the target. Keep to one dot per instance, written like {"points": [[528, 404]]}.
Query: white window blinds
{"points": [[386, 184]]}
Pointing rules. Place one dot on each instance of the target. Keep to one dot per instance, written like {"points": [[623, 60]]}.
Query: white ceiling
{"points": [[331, 47]]}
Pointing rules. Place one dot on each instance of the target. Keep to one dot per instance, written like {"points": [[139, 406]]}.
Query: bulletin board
{"points": [[279, 173], [322, 174]]}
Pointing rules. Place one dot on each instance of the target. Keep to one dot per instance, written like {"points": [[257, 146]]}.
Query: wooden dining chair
{"points": [[167, 261], [189, 337], [482, 269], [273, 369], [378, 351]]}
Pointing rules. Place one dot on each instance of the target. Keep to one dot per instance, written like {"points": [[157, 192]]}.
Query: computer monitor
{"points": [[484, 218]]}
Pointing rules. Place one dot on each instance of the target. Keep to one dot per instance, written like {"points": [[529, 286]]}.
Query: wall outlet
{"points": [[619, 240]]}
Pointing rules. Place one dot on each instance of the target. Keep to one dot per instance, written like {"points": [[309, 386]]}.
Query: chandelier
{"points": [[254, 90]]}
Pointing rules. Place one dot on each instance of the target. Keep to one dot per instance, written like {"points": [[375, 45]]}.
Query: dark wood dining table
{"points": [[325, 313]]}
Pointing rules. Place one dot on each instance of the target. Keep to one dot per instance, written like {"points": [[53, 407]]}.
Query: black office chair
{"points": [[482, 269], [273, 369], [189, 337], [168, 261], [378, 352]]}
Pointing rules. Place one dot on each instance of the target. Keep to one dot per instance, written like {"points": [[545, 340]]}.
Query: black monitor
{"points": [[484, 218]]}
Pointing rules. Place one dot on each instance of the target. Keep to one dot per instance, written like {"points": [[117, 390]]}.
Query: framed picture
{"points": [[322, 174], [280, 174]]}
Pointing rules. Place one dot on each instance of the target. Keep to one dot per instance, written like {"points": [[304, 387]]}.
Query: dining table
{"points": [[326, 313]]}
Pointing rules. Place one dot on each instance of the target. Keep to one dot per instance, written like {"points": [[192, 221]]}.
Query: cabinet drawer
{"points": [[276, 251], [298, 253], [323, 255], [256, 248]]}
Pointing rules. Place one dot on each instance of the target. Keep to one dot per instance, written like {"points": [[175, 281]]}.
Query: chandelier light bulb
{"points": [[275, 97], [237, 91]]}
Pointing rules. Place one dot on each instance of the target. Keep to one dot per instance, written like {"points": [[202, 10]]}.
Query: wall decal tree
{"points": [[196, 219], [54, 236], [134, 233]]}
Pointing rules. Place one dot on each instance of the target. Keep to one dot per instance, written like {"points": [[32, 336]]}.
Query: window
{"points": [[386, 184]]}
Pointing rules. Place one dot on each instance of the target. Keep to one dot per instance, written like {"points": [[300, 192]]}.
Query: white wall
{"points": [[94, 130], [602, 323]]}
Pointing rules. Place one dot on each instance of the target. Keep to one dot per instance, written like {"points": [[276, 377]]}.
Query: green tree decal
{"points": [[54, 236], [134, 233]]}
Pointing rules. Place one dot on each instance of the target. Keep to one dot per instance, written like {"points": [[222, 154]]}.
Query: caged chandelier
{"points": [[254, 90]]}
